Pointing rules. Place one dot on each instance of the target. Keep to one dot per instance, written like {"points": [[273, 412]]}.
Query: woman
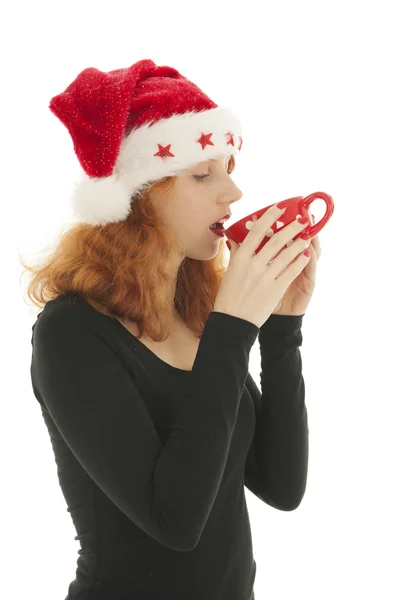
{"points": [[155, 422]]}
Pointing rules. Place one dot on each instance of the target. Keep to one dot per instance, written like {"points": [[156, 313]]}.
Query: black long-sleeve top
{"points": [[152, 460]]}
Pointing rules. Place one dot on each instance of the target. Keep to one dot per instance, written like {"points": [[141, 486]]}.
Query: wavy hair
{"points": [[120, 269]]}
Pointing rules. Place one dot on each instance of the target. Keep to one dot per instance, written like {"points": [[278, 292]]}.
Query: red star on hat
{"points": [[229, 134], [163, 151], [204, 140]]}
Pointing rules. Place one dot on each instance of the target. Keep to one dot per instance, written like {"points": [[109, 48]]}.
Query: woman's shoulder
{"points": [[68, 309], [66, 304]]}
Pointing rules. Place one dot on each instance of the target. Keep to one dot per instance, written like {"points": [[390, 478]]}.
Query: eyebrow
{"points": [[216, 159], [211, 160]]}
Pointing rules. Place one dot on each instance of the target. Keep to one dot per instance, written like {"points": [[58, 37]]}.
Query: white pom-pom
{"points": [[101, 200]]}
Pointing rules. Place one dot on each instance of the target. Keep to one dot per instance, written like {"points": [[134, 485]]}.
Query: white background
{"points": [[316, 86]]}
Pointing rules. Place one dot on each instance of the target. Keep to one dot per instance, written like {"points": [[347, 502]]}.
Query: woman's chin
{"points": [[206, 251]]}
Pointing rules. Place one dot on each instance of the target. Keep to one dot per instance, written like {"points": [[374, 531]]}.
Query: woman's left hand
{"points": [[298, 295]]}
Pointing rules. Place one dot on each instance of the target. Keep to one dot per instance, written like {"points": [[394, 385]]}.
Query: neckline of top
{"points": [[133, 337]]}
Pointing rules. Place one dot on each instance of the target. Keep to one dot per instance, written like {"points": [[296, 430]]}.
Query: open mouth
{"points": [[218, 229]]}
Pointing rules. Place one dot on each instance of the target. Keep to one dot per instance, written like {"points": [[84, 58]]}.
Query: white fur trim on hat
{"points": [[152, 152]]}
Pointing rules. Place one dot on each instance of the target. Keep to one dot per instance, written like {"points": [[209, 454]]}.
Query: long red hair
{"points": [[121, 270]]}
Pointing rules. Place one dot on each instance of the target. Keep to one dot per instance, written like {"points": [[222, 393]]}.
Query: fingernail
{"points": [[282, 204], [228, 244]]}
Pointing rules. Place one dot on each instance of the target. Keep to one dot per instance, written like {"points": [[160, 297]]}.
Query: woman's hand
{"points": [[299, 293]]}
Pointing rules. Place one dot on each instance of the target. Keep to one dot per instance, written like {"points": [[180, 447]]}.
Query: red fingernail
{"points": [[228, 244], [282, 204]]}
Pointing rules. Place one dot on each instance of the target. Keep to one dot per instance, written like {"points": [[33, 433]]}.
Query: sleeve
{"points": [[277, 461], [167, 489]]}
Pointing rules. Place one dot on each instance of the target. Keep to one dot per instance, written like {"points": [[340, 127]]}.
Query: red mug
{"points": [[298, 205]]}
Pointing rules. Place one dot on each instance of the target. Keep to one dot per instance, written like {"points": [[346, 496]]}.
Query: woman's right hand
{"points": [[251, 288]]}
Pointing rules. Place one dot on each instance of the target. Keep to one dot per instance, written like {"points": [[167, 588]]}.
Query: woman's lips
{"points": [[220, 231]]}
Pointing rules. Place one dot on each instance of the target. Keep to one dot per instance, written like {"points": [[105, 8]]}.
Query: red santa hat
{"points": [[133, 126]]}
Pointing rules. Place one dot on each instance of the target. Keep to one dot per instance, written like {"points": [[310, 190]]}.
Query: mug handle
{"points": [[308, 200]]}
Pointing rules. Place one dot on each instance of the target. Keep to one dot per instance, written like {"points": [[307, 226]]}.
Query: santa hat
{"points": [[135, 125]]}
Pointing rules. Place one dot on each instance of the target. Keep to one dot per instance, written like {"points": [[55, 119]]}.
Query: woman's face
{"points": [[201, 196]]}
